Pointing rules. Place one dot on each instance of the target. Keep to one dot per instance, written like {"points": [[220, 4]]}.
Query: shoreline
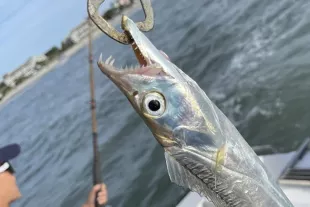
{"points": [[19, 88], [65, 56]]}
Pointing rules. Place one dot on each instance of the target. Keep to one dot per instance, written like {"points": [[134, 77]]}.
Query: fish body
{"points": [[204, 151]]}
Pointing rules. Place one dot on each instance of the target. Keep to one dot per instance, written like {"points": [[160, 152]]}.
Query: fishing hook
{"points": [[108, 29]]}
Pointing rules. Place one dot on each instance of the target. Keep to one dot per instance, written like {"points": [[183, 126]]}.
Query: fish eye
{"points": [[154, 104]]}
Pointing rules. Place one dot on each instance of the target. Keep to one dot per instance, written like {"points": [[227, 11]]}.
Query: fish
{"points": [[204, 151]]}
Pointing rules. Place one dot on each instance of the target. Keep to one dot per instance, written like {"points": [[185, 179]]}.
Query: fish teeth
{"points": [[112, 62], [100, 58], [130, 68], [108, 60]]}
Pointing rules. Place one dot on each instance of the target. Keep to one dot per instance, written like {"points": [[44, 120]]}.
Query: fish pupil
{"points": [[154, 105]]}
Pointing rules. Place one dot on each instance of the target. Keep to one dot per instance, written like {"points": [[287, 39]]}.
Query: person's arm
{"points": [[102, 196]]}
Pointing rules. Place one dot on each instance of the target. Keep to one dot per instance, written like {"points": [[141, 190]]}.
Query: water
{"points": [[250, 56]]}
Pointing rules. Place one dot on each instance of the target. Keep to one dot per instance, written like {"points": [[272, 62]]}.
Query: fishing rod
{"points": [[96, 156]]}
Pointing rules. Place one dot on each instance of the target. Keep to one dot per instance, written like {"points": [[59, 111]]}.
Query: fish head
{"points": [[156, 89]]}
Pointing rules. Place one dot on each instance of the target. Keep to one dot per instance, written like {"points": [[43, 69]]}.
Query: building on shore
{"points": [[79, 33], [30, 67], [53, 53], [122, 3], [125, 2]]}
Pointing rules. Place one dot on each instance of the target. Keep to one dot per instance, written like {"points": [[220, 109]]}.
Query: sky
{"points": [[32, 27]]}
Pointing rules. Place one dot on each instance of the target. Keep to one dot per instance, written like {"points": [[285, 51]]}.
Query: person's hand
{"points": [[102, 196]]}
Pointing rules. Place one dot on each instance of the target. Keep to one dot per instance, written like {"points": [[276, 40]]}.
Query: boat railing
{"points": [[300, 152]]}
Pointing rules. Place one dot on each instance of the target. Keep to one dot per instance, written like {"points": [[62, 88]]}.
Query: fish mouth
{"points": [[151, 61]]}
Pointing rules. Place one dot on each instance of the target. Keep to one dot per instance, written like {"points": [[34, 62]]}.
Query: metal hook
{"points": [[104, 26]]}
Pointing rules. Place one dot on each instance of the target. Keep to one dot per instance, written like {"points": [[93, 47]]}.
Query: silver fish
{"points": [[204, 151]]}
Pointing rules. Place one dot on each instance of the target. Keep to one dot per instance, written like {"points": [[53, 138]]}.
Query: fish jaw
{"points": [[152, 62], [146, 52]]}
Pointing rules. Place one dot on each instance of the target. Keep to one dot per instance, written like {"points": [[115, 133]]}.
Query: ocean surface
{"points": [[252, 58]]}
